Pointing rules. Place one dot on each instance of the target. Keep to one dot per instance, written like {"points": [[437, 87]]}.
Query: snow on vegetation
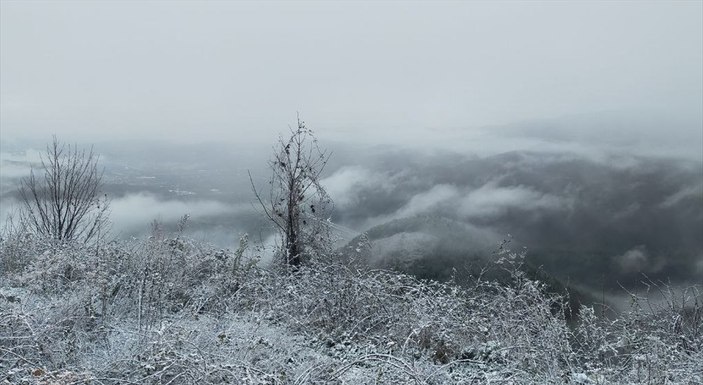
{"points": [[168, 310]]}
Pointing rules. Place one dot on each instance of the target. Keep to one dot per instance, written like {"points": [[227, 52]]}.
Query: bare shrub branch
{"points": [[66, 203]]}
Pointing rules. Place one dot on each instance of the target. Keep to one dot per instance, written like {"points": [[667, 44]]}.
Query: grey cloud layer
{"points": [[233, 70]]}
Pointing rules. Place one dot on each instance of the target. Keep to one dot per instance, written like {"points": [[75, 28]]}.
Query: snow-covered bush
{"points": [[168, 310], [18, 248], [654, 342], [350, 312]]}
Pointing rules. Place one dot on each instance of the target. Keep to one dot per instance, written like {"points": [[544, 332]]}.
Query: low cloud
{"points": [[690, 192], [599, 136], [634, 260], [440, 197], [487, 201], [343, 185], [438, 200], [134, 212], [639, 260], [491, 200], [17, 165]]}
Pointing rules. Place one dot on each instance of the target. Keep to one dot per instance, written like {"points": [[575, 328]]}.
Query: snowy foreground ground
{"points": [[171, 311]]}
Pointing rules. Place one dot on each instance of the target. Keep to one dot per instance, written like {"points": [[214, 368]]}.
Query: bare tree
{"points": [[297, 202], [66, 204]]}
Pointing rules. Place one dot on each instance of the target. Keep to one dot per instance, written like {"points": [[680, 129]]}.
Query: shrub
{"points": [[170, 310]]}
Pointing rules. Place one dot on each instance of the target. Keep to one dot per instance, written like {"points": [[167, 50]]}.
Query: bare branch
{"points": [[297, 199]]}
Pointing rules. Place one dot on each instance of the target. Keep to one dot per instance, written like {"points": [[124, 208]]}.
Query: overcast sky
{"points": [[221, 70]]}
